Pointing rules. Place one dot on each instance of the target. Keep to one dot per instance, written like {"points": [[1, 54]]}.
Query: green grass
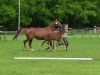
{"points": [[79, 47]]}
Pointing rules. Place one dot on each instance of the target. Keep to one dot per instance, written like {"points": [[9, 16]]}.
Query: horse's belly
{"points": [[40, 34], [39, 37]]}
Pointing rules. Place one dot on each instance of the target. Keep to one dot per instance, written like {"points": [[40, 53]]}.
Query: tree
{"points": [[8, 13], [39, 13]]}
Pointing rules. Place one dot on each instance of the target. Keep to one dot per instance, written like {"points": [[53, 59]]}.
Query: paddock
{"points": [[13, 60]]}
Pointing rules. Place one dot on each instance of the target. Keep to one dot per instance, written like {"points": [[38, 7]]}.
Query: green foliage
{"points": [[8, 13], [39, 13]]}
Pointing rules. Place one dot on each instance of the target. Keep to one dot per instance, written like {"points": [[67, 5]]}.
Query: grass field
{"points": [[79, 47]]}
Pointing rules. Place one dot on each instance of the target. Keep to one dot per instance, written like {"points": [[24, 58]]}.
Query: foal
{"points": [[56, 36]]}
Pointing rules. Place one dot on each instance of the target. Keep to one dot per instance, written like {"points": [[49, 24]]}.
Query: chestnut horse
{"points": [[38, 33], [56, 36]]}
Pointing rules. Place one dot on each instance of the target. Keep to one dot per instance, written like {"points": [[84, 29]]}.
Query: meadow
{"points": [[78, 47]]}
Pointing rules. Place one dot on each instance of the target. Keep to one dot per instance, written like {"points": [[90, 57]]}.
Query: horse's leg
{"points": [[43, 43], [49, 45], [30, 45], [48, 42], [25, 41]]}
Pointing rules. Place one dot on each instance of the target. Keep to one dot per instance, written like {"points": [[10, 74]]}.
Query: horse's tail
{"points": [[22, 30]]}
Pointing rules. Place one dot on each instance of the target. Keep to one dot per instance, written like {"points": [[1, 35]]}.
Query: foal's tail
{"points": [[22, 30]]}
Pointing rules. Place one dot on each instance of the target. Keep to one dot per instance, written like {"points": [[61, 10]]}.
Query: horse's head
{"points": [[57, 24]]}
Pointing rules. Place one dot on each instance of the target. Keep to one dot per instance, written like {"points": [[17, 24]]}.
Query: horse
{"points": [[56, 36], [37, 33]]}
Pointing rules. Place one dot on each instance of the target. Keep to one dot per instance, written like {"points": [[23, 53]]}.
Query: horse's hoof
{"points": [[47, 48], [32, 50], [24, 49]]}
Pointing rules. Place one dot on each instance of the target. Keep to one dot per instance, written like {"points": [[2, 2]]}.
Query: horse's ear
{"points": [[20, 27], [56, 21], [54, 18]]}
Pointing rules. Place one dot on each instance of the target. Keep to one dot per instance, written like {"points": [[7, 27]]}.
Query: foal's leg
{"points": [[25, 41], [63, 43], [52, 45], [59, 43]]}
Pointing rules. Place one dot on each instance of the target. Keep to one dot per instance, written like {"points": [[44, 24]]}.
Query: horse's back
{"points": [[38, 33]]}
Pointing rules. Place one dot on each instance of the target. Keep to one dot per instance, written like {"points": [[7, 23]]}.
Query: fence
{"points": [[4, 34], [74, 33], [84, 33]]}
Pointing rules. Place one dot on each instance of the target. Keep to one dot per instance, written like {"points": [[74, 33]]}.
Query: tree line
{"points": [[39, 13]]}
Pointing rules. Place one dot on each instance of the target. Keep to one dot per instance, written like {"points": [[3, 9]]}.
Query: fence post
{"points": [[97, 33], [74, 33], [90, 34], [82, 33], [4, 34]]}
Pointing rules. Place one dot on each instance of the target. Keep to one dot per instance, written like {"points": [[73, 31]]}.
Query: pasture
{"points": [[79, 47]]}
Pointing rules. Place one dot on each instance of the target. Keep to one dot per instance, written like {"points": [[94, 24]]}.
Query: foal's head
{"points": [[64, 28]]}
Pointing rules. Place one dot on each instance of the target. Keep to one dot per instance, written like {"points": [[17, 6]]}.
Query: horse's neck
{"points": [[24, 29], [51, 26]]}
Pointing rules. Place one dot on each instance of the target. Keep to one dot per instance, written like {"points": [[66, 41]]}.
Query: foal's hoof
{"points": [[65, 49], [54, 50], [32, 50]]}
